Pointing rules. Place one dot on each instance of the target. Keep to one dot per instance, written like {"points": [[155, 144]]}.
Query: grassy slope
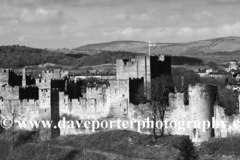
{"points": [[202, 49], [99, 46], [101, 145], [222, 146]]}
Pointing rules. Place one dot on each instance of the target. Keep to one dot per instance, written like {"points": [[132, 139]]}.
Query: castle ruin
{"points": [[54, 95]]}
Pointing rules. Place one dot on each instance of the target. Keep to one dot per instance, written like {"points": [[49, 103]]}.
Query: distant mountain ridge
{"points": [[202, 47]]}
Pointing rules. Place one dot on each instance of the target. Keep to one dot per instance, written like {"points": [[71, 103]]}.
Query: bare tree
{"points": [[157, 102], [12, 113]]}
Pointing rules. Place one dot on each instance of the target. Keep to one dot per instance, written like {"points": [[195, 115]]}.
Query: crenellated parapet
{"points": [[24, 110], [9, 92], [29, 92], [55, 73], [43, 83]]}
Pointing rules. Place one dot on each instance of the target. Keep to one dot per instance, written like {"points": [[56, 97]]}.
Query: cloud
{"points": [[71, 23], [41, 15], [81, 3], [130, 31], [223, 2]]}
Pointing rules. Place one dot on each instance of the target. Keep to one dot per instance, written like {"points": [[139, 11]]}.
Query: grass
{"points": [[127, 143], [124, 143], [222, 146]]}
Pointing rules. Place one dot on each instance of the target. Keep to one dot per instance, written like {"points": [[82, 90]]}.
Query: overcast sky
{"points": [[72, 23]]}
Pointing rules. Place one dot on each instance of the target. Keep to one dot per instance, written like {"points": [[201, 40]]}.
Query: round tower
{"points": [[201, 102]]}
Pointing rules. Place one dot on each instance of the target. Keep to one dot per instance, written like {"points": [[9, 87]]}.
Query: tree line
{"points": [[14, 56]]}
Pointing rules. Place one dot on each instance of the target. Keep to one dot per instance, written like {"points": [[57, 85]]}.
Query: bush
{"points": [[26, 137], [187, 149], [228, 100]]}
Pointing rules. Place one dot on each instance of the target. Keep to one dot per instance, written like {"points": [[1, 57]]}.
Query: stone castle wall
{"points": [[22, 110], [231, 126], [177, 112], [98, 102], [202, 107], [9, 92], [112, 100]]}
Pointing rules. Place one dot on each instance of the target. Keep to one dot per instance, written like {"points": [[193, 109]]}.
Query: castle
{"points": [[54, 95]]}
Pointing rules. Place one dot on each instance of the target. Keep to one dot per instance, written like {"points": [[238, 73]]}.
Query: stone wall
{"points": [[43, 83], [177, 112], [98, 102], [119, 97], [22, 110], [4, 76], [133, 68], [231, 126], [9, 92]]}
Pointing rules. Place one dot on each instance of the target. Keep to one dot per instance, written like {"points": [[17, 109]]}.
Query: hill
{"points": [[18, 56], [202, 47]]}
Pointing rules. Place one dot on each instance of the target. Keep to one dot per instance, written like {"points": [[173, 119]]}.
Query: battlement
{"points": [[28, 86], [127, 62], [9, 88], [54, 74], [9, 92], [43, 83], [38, 81], [21, 101], [130, 62], [5, 70], [28, 92]]}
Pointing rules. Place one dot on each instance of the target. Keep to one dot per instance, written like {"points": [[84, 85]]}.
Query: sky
{"points": [[73, 23]]}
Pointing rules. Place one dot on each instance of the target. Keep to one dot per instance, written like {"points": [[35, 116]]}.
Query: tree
{"points": [[228, 100], [213, 81], [12, 113], [211, 64], [157, 101]]}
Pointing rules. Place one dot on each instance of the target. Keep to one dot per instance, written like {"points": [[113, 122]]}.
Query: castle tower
{"points": [[134, 68], [24, 83], [201, 102]]}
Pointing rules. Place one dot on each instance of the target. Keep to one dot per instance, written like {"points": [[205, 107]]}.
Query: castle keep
{"points": [[54, 95]]}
